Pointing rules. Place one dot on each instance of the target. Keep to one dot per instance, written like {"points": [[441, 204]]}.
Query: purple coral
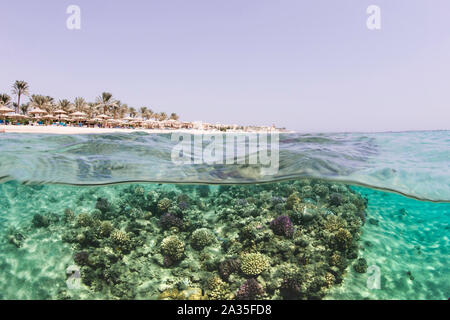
{"points": [[282, 226], [169, 220], [227, 267], [183, 205], [249, 290]]}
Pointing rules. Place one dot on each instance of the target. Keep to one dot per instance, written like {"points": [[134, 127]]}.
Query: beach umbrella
{"points": [[128, 119], [5, 109], [48, 116], [37, 111], [103, 116], [14, 115], [60, 111], [78, 114], [95, 120]]}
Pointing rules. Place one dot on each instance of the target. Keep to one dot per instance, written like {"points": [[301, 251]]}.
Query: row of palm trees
{"points": [[104, 104]]}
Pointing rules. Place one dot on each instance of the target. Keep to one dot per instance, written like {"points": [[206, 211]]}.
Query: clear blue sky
{"points": [[304, 65]]}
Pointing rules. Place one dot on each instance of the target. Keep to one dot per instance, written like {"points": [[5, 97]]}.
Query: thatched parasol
{"points": [[78, 114], [37, 111]]}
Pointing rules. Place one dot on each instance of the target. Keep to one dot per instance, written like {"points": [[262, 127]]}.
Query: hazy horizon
{"points": [[309, 67]]}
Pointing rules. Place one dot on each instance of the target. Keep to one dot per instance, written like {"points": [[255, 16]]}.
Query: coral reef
{"points": [[286, 240]]}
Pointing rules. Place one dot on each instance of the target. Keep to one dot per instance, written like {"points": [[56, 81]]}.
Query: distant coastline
{"points": [[87, 130]]}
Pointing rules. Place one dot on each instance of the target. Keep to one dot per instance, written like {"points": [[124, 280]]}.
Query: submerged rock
{"points": [[40, 221]]}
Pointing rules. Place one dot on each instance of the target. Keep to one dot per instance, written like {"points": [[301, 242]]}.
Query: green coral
{"points": [[85, 220], [343, 239], [334, 223], [106, 228], [253, 264], [164, 205], [293, 201], [321, 190], [201, 238], [172, 247], [120, 237], [219, 290]]}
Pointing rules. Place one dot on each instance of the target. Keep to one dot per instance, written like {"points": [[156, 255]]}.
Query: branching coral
{"points": [[120, 237], [219, 290], [334, 223], [253, 264]]}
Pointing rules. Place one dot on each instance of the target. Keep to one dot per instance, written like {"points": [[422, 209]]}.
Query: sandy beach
{"points": [[84, 130]]}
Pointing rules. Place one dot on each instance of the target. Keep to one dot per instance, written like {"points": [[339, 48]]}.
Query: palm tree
{"points": [[50, 104], [80, 104], [143, 111], [20, 88], [41, 102], [91, 109], [123, 110], [105, 102], [174, 116], [132, 112], [24, 107], [65, 105], [115, 109], [5, 100], [162, 116], [150, 114]]}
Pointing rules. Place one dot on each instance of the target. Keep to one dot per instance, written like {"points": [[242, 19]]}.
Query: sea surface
{"points": [[391, 191]]}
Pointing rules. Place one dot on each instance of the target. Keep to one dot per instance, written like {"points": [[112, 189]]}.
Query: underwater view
{"points": [[112, 216]]}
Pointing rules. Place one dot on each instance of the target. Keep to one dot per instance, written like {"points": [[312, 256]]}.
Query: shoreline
{"points": [[84, 130]]}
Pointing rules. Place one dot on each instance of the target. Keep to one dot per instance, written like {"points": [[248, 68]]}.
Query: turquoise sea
{"points": [[112, 216]]}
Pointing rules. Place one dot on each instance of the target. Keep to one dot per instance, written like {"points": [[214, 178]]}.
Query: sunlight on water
{"points": [[414, 163]]}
